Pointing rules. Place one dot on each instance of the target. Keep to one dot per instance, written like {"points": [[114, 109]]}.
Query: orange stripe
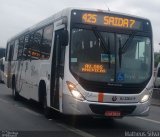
{"points": [[100, 97]]}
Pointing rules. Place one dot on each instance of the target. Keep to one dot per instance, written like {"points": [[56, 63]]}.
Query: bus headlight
{"points": [[144, 98], [75, 93]]}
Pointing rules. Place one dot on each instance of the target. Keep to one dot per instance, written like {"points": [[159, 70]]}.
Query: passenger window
{"points": [[20, 48], [16, 50], [35, 41], [7, 52], [11, 51], [26, 46], [46, 42]]}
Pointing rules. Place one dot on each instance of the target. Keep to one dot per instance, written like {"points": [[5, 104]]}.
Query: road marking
{"points": [[4, 101], [31, 111], [150, 120], [20, 107], [77, 131], [28, 110]]}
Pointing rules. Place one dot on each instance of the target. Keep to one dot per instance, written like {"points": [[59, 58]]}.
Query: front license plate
{"points": [[113, 113]]}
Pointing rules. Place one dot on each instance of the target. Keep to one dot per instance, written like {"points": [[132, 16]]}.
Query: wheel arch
{"points": [[13, 81], [42, 90]]}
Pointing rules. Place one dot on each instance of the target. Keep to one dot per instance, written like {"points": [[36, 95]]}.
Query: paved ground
{"points": [[26, 119], [156, 97]]}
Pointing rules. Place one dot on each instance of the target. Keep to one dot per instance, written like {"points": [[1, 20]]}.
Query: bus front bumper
{"points": [[72, 106]]}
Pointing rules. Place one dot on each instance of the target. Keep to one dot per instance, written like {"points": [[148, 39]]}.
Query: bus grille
{"points": [[101, 109]]}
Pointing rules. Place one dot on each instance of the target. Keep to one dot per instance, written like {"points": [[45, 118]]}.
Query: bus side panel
{"points": [[33, 74], [23, 76]]}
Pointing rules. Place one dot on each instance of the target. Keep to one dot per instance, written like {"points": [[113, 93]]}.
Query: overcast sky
{"points": [[17, 15]]}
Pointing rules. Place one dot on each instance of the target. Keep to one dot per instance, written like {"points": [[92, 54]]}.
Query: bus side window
{"points": [[26, 46], [11, 51], [35, 43], [46, 42], [7, 52], [15, 50], [20, 48]]}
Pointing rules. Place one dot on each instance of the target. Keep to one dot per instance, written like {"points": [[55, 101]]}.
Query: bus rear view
{"points": [[110, 65]]}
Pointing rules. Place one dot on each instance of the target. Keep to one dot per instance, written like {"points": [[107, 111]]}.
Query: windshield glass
{"points": [[120, 62], [135, 59]]}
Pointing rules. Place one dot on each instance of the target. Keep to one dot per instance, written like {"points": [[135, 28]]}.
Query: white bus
{"points": [[84, 62]]}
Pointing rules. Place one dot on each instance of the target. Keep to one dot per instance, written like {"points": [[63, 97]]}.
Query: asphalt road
{"points": [[25, 118]]}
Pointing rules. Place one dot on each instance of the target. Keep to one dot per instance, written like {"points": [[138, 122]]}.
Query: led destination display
{"points": [[109, 20]]}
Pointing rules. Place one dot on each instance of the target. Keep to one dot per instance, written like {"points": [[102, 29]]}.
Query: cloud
{"points": [[17, 15]]}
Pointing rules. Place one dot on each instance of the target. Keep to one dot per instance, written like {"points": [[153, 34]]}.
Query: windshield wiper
{"points": [[109, 52], [120, 52], [103, 43], [126, 44], [122, 49]]}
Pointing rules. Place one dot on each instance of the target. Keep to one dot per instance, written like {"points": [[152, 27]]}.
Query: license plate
{"points": [[113, 113]]}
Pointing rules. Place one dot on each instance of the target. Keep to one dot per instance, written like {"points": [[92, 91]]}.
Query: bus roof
{"points": [[66, 12]]}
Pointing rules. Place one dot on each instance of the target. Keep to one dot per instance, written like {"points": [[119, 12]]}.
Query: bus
{"points": [[84, 62], [2, 70]]}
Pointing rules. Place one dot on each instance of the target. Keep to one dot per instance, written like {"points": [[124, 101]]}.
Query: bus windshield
{"points": [[127, 58]]}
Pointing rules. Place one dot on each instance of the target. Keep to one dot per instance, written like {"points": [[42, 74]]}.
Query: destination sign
{"points": [[109, 20], [92, 68]]}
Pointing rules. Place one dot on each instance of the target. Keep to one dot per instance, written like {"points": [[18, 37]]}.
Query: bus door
{"points": [[20, 45], [22, 79], [57, 70], [23, 75], [10, 49]]}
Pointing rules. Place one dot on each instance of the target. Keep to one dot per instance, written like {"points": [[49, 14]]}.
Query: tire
{"points": [[46, 109], [15, 94]]}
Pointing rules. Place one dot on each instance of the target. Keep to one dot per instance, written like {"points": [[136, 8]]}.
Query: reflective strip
{"points": [[100, 97]]}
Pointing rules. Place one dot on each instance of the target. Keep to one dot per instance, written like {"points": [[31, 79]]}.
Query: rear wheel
{"points": [[15, 94]]}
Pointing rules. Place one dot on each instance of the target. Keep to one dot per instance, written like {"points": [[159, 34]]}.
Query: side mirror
{"points": [[64, 38]]}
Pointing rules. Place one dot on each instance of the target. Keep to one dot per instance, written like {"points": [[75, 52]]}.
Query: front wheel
{"points": [[46, 109]]}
